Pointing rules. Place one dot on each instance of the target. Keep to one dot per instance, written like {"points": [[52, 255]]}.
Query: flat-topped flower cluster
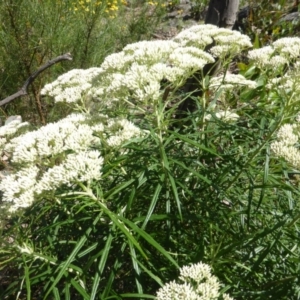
{"points": [[138, 74], [197, 283], [59, 154], [275, 56], [287, 143]]}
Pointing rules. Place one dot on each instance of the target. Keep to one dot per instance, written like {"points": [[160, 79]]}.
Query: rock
{"points": [[292, 17]]}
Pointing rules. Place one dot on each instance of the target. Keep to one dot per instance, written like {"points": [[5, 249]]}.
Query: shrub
{"points": [[110, 201]]}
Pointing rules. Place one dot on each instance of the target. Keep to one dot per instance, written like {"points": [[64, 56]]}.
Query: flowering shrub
{"points": [[120, 193]]}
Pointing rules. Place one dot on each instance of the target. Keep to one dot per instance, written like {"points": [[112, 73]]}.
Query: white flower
{"points": [[232, 81], [175, 291], [120, 131], [287, 135], [277, 55], [69, 140], [288, 47], [197, 272], [286, 145], [77, 167], [220, 50], [229, 43], [199, 36], [150, 52], [226, 41], [235, 38], [210, 288], [18, 189], [277, 61], [52, 139], [227, 116], [197, 283], [71, 86], [3, 141], [23, 148], [260, 57], [136, 74], [188, 59], [116, 61], [12, 127]]}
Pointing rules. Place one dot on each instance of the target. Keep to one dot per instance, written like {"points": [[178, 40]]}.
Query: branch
{"points": [[23, 90]]}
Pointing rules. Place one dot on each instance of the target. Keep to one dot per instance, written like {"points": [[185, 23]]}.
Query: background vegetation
{"points": [[33, 32], [190, 191]]}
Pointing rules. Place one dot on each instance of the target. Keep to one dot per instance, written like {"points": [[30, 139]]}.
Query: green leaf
{"points": [[80, 289], [65, 265], [152, 205], [195, 144], [149, 239], [118, 189], [101, 266]]}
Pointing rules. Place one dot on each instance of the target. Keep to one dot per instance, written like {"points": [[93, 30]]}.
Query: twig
{"points": [[23, 90], [157, 36]]}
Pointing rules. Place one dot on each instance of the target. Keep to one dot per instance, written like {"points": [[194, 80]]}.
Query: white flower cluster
{"points": [[224, 115], [136, 74], [12, 127], [197, 284], [18, 189], [9, 129], [81, 167], [223, 41], [275, 56], [71, 86], [60, 154], [289, 82], [230, 81], [52, 139], [120, 130], [287, 143]]}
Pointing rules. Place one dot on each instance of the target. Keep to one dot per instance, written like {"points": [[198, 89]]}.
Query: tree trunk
{"points": [[222, 13]]}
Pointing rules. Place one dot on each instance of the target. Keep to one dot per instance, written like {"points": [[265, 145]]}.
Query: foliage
{"points": [[173, 188], [265, 22]]}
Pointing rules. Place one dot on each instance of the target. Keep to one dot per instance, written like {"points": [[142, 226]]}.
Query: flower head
{"points": [[12, 127], [197, 283], [275, 56], [60, 154], [230, 81], [286, 145], [138, 74]]}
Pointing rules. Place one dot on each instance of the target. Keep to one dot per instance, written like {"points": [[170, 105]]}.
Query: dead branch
{"points": [[23, 90]]}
